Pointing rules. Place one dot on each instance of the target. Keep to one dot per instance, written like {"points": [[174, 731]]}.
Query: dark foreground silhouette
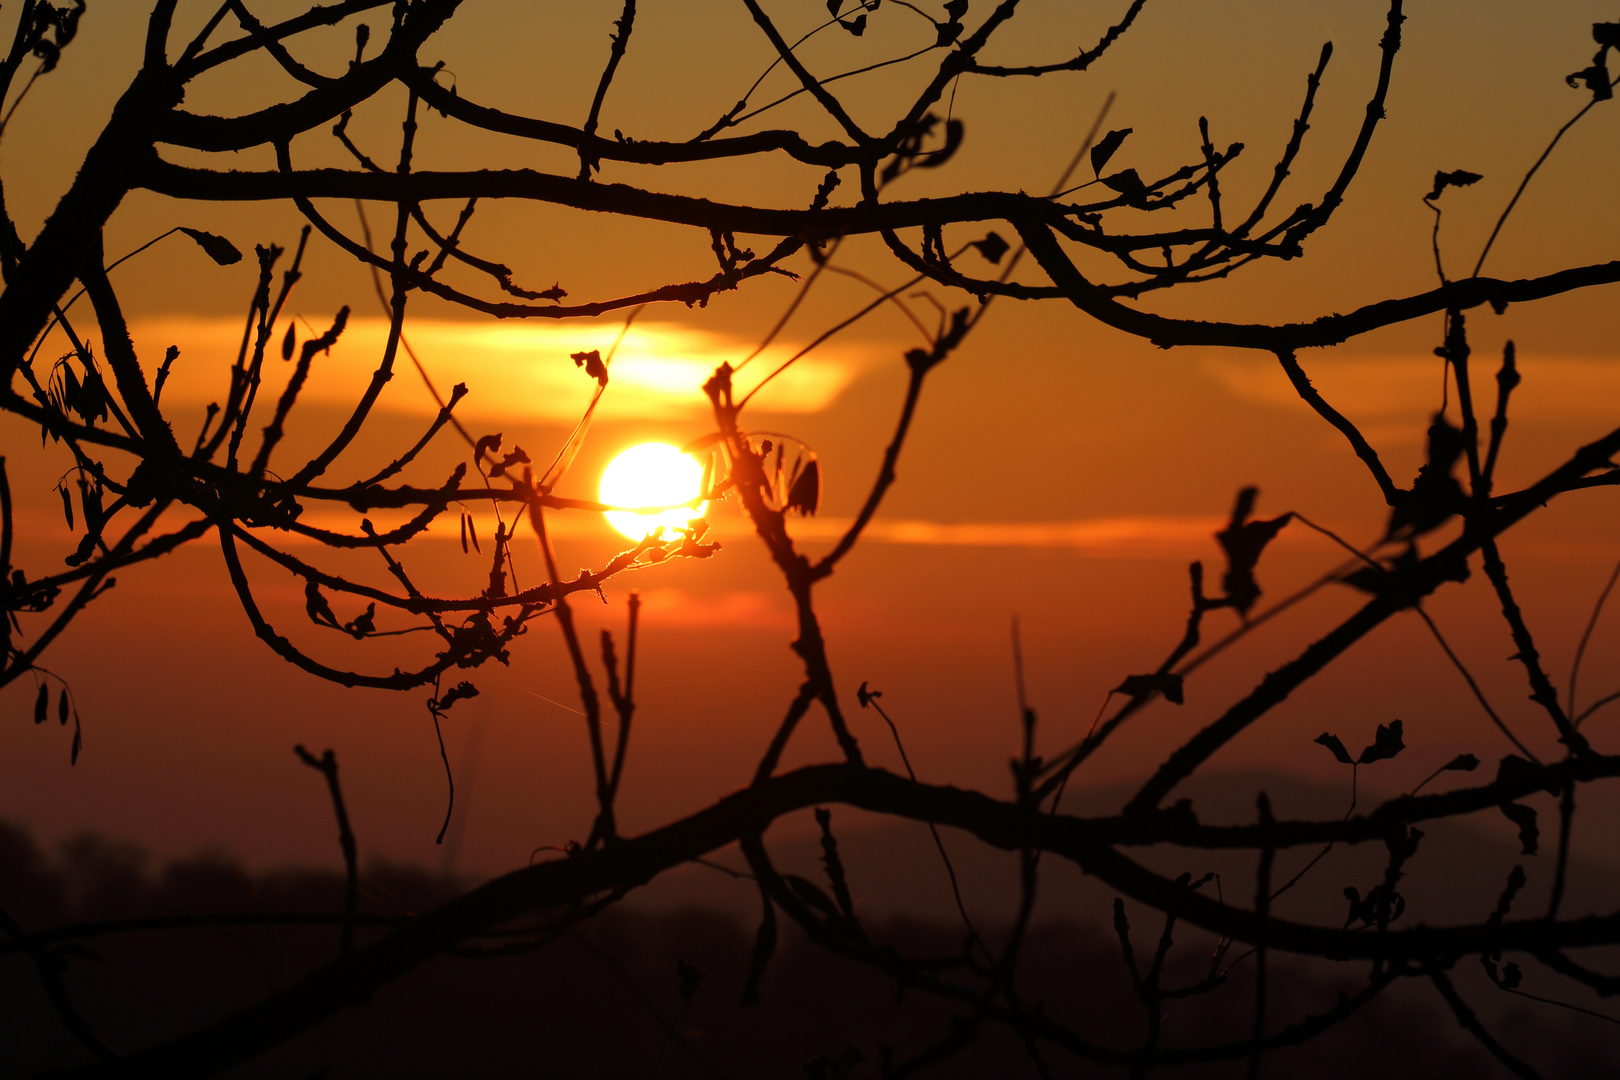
{"points": [[605, 998]]}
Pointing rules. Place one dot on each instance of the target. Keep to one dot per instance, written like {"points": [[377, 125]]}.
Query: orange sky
{"points": [[1059, 471]]}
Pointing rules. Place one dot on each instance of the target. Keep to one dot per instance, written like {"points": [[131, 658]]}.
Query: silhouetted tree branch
{"points": [[135, 477]]}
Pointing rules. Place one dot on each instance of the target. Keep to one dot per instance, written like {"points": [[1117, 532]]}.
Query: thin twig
{"points": [[327, 766]]}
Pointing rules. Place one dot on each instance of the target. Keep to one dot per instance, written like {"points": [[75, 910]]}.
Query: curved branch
{"points": [[330, 15], [1081, 62], [279, 123], [1167, 332], [832, 155], [184, 182]]}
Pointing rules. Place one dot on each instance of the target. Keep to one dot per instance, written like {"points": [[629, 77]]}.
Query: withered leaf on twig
{"points": [[217, 248], [1128, 184], [459, 692], [593, 365], [804, 497], [516, 457], [1435, 494], [1333, 743], [316, 606], [363, 624], [1243, 541], [1456, 178], [1594, 78], [992, 247], [1387, 742], [933, 159], [1167, 683], [1105, 148]]}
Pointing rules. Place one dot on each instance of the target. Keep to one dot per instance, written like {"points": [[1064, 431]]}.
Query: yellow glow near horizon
{"points": [[651, 474]]}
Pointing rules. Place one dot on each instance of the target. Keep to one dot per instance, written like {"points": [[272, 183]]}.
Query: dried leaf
{"points": [[42, 704], [62, 707], [1333, 743], [459, 692], [316, 606], [1461, 763], [516, 457], [290, 341], [1459, 178], [93, 397], [1435, 495], [1594, 78], [866, 697], [1105, 149], [1128, 184], [956, 9], [592, 363], [805, 494], [856, 26], [221, 250], [992, 247], [1386, 744], [954, 130], [362, 624], [1243, 541], [67, 504], [1168, 684]]}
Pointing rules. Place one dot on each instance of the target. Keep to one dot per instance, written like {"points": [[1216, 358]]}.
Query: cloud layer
{"points": [[513, 369]]}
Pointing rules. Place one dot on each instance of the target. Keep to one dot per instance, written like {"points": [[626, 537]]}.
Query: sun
{"points": [[651, 474]]}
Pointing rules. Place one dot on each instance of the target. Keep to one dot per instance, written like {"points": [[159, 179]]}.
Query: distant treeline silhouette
{"points": [[606, 997]]}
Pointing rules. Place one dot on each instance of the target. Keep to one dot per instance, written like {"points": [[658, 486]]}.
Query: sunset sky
{"points": [[1059, 472]]}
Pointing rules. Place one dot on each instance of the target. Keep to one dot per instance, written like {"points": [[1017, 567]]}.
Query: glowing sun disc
{"points": [[651, 474]]}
